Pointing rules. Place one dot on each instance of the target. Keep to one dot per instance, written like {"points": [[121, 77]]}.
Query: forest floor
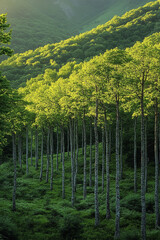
{"points": [[42, 214]]}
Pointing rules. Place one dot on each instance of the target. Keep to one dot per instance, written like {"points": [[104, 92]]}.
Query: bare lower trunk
{"points": [[108, 214], [36, 149], [48, 158], [31, 147], [76, 160], [135, 156], [41, 172], [117, 223], [84, 169], [110, 143], [90, 163], [72, 163], [82, 141], [143, 202], [61, 146], [157, 222], [103, 155], [146, 156], [68, 141], [51, 148], [20, 150], [121, 153], [27, 168], [57, 166], [96, 167], [15, 173], [63, 169]]}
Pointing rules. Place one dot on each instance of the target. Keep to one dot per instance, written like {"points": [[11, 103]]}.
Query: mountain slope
{"points": [[37, 22], [120, 31]]}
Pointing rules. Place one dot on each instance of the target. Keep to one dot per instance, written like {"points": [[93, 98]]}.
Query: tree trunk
{"points": [[48, 158], [103, 155], [146, 156], [108, 214], [31, 147], [68, 141], [63, 169], [57, 166], [121, 153], [36, 148], [117, 223], [84, 169], [143, 203], [15, 172], [76, 162], [135, 156], [90, 163], [51, 147], [41, 172], [20, 150], [157, 222], [110, 143], [72, 163], [82, 141], [27, 168], [61, 145], [96, 167]]}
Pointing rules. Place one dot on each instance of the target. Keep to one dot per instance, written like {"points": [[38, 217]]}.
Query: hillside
{"points": [[37, 22], [43, 214], [119, 32]]}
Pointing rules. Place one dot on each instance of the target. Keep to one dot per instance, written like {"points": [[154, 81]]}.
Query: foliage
{"points": [[121, 33]]}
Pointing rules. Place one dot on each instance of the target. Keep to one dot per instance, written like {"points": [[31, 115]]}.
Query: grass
{"points": [[43, 214]]}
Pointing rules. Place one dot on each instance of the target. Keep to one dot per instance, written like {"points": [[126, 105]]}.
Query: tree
{"points": [[5, 90]]}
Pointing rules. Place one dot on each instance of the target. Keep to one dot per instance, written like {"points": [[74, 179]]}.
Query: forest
{"points": [[80, 133]]}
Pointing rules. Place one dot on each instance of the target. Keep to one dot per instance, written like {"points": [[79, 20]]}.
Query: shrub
{"points": [[71, 227], [8, 230], [130, 234]]}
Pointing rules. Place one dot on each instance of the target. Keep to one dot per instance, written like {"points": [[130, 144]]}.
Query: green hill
{"points": [[37, 22], [120, 31]]}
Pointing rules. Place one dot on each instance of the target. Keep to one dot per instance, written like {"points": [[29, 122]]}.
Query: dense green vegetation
{"points": [[120, 31], [37, 22], [90, 117]]}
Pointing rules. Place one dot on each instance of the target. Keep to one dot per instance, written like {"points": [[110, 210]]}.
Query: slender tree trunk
{"points": [[63, 169], [108, 213], [68, 141], [82, 140], [110, 143], [27, 168], [15, 173], [72, 163], [51, 147], [146, 156], [143, 203], [48, 158], [90, 163], [36, 148], [31, 147], [20, 150], [41, 172], [135, 155], [103, 155], [61, 145], [157, 222], [96, 167], [121, 153], [84, 169], [117, 223], [57, 166], [76, 162]]}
